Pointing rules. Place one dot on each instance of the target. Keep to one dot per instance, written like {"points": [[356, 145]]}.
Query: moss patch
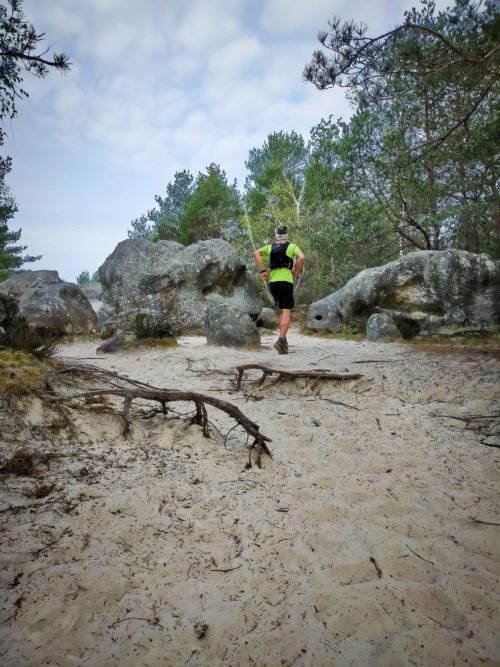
{"points": [[20, 373]]}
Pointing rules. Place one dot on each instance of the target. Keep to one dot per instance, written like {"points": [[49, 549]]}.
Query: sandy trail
{"points": [[359, 543]]}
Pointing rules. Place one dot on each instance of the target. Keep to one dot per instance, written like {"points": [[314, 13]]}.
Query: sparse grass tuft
{"points": [[20, 373], [21, 463], [41, 490]]}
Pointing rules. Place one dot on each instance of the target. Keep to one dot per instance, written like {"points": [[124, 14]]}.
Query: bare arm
{"points": [[260, 264], [299, 263]]}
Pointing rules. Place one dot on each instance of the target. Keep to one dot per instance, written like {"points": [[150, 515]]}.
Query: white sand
{"points": [[168, 529]]}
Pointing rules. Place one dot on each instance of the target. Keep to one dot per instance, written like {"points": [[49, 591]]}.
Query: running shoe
{"points": [[280, 346]]}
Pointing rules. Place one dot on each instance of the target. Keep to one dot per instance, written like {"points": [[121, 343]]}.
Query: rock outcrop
{"points": [[48, 304], [229, 326], [425, 292], [93, 292], [381, 327], [267, 318], [163, 288]]}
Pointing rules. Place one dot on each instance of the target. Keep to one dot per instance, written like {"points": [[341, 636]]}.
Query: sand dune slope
{"points": [[371, 537]]}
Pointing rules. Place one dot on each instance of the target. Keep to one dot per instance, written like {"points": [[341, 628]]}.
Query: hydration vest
{"points": [[278, 257]]}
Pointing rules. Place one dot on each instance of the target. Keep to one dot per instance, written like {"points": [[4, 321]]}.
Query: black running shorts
{"points": [[282, 292]]}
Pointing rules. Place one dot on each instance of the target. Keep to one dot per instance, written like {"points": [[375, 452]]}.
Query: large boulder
{"points": [[163, 288], [229, 326], [93, 292], [49, 304], [267, 318], [381, 327], [427, 292]]}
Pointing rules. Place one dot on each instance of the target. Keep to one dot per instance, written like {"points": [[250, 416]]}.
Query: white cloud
{"points": [[206, 25], [156, 87], [283, 17], [236, 59]]}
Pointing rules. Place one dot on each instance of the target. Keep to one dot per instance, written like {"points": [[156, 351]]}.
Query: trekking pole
{"points": [[269, 296]]}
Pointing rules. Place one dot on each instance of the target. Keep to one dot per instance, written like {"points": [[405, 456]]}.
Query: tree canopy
{"points": [[193, 209], [425, 131], [20, 52], [11, 254], [455, 48]]}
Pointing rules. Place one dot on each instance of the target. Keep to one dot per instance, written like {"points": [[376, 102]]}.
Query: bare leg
{"points": [[284, 321]]}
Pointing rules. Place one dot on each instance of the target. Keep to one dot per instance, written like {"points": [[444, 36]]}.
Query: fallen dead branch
{"points": [[165, 396], [315, 375]]}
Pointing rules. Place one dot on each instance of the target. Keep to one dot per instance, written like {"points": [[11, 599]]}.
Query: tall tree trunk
{"points": [[435, 231]]}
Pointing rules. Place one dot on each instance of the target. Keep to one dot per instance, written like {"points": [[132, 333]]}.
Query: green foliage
{"points": [[275, 177], [164, 222], [309, 189], [141, 228], [11, 254], [213, 208], [84, 278], [424, 141], [193, 210], [168, 220], [19, 43]]}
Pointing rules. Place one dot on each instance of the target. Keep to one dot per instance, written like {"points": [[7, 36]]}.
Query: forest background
{"points": [[415, 167]]}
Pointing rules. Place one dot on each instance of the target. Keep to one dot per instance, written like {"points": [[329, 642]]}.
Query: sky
{"points": [[158, 86]]}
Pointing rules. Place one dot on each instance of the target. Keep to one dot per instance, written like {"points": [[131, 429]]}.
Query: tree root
{"points": [[315, 375], [164, 396]]}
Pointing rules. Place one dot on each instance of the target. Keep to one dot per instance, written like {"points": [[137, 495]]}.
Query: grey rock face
{"points": [[169, 286], [49, 304], [115, 343], [227, 325], [423, 292], [93, 292], [267, 318], [381, 327]]}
